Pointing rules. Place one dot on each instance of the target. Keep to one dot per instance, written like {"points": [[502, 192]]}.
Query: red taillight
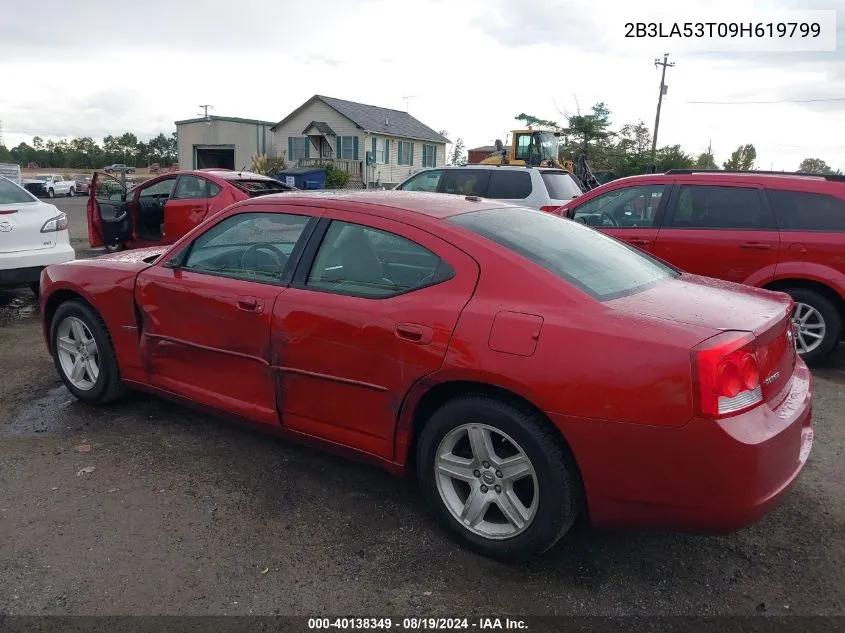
{"points": [[551, 209], [727, 375]]}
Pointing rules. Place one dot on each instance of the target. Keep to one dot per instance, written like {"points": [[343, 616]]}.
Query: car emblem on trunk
{"points": [[5, 227]]}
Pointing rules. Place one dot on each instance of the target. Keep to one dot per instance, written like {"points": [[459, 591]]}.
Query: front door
{"points": [[631, 214], [187, 207], [366, 316], [726, 231], [109, 220], [147, 204], [207, 315]]}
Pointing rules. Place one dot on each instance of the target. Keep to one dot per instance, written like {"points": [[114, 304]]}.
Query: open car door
{"points": [[109, 220]]}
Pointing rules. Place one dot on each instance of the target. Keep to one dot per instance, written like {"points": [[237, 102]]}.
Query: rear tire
{"points": [[83, 354], [50, 193], [818, 315], [114, 247], [71, 193], [540, 474]]}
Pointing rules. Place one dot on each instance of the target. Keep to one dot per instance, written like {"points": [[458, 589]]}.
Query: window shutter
{"points": [[307, 147], [354, 148], [375, 158], [412, 154], [387, 150], [290, 148]]}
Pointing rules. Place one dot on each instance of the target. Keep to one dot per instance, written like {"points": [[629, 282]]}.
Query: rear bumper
{"points": [[24, 268], [708, 477]]}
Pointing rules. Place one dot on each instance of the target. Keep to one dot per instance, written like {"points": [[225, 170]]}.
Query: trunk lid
{"points": [[20, 227], [724, 306]]}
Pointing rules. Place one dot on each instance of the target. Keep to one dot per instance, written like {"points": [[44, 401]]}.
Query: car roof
{"points": [[480, 166], [733, 176], [419, 203], [227, 174]]}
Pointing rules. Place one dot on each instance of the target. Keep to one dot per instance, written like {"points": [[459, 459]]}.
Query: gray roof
{"points": [[230, 119], [376, 120], [322, 126]]}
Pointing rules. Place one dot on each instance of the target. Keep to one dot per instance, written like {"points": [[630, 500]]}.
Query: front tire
{"points": [[51, 193], [84, 355], [71, 193], [818, 324], [498, 477]]}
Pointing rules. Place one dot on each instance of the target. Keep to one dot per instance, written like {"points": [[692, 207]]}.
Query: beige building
{"points": [[220, 141], [376, 146]]}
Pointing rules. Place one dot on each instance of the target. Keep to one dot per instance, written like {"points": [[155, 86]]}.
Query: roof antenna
{"points": [[407, 99]]}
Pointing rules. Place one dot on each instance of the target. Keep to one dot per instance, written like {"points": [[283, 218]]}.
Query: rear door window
{"points": [[717, 207], [560, 185], [10, 193], [509, 184], [426, 181], [465, 182], [805, 211]]}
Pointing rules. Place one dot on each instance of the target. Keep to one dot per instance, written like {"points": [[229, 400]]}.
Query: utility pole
{"points": [[407, 99], [665, 64], [205, 108]]}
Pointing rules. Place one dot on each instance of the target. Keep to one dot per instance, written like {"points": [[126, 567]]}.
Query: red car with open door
{"points": [[163, 209]]}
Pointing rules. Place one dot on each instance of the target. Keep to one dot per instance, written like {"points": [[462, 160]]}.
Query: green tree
{"points": [[814, 166], [742, 159], [587, 129], [457, 156], [672, 157], [5, 155], [705, 160], [631, 154], [532, 121]]}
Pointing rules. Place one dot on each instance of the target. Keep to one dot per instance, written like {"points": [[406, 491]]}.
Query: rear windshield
{"points": [[10, 193], [596, 263], [561, 185], [260, 187]]}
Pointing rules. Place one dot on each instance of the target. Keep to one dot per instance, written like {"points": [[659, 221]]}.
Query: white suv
{"points": [[33, 234], [541, 188]]}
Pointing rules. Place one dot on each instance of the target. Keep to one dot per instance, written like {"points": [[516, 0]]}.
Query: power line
{"points": [[767, 102]]}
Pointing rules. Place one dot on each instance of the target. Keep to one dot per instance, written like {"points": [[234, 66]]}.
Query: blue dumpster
{"points": [[304, 177]]}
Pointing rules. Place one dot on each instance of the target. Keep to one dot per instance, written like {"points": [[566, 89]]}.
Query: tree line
{"points": [[86, 153], [627, 150]]}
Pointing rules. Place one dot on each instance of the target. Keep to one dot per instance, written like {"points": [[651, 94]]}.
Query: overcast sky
{"points": [[103, 68]]}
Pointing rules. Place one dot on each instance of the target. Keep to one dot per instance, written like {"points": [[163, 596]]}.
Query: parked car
{"points": [[537, 187], [525, 367], [83, 183], [119, 168], [163, 209], [49, 186], [766, 229], [33, 234]]}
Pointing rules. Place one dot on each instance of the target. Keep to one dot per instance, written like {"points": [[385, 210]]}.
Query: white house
{"points": [[344, 133]]}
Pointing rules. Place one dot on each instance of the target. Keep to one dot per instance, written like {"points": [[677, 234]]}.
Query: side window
{"points": [[426, 181], [509, 184], [212, 188], [523, 147], [714, 207], [629, 207], [163, 188], [251, 246], [190, 187], [362, 261], [466, 182], [804, 211]]}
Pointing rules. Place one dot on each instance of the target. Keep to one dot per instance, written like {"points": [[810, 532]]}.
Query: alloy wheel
{"points": [[78, 353], [809, 327], [486, 481]]}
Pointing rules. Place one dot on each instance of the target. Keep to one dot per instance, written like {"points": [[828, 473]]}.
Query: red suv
{"points": [[774, 230]]}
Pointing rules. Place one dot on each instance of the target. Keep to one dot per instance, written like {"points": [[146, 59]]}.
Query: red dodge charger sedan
{"points": [[526, 368]]}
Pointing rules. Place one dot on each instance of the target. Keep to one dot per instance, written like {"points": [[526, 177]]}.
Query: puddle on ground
{"points": [[16, 306], [46, 415]]}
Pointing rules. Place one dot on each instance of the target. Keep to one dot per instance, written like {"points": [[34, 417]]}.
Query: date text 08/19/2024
{"points": [[417, 624]]}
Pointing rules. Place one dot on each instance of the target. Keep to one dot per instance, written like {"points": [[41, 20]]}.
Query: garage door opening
{"points": [[216, 157]]}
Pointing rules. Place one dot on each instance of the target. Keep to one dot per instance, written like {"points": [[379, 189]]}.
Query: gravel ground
{"points": [[175, 512]]}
